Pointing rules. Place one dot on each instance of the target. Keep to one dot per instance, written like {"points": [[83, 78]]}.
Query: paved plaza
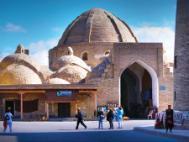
{"points": [[65, 126], [59, 131]]}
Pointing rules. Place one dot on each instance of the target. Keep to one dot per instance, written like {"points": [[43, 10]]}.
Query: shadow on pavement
{"points": [[86, 136]]}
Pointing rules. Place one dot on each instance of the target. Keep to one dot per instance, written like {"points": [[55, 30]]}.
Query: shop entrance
{"points": [[64, 109], [9, 104]]}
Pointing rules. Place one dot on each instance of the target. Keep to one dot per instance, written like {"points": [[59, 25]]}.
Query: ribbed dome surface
{"points": [[19, 59], [97, 25], [20, 69], [71, 73], [18, 74], [71, 59]]}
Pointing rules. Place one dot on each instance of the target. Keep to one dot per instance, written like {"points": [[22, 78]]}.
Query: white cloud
{"points": [[10, 27], [39, 50], [158, 34]]}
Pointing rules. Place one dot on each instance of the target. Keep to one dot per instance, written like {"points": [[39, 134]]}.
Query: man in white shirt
{"points": [[8, 118]]}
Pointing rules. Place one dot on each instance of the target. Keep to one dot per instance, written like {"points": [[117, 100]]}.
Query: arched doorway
{"points": [[136, 91]]}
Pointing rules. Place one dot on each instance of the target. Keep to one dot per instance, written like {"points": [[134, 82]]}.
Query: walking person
{"points": [[100, 119], [79, 117], [119, 114], [169, 123], [8, 120], [110, 118]]}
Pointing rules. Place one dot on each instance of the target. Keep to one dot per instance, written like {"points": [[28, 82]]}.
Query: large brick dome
{"points": [[97, 25]]}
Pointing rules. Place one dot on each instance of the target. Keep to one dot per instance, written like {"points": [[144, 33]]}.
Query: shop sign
{"points": [[64, 93]]}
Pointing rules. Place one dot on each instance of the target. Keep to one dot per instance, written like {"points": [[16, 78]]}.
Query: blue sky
{"points": [[38, 24]]}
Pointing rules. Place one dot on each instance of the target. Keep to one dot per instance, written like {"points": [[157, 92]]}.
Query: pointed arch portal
{"points": [[138, 90]]}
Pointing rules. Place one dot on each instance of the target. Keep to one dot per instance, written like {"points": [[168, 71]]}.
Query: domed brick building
{"points": [[97, 63]]}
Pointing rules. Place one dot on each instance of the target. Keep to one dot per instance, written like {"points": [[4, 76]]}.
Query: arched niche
{"points": [[143, 82]]}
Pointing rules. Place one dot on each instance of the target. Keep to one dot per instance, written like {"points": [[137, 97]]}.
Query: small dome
{"points": [[72, 73], [71, 60], [57, 81], [18, 74], [97, 25], [22, 59], [71, 68]]}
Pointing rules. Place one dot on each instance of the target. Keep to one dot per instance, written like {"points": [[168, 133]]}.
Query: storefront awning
{"points": [[47, 87]]}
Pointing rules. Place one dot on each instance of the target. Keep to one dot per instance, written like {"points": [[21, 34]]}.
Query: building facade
{"points": [[181, 66], [181, 57], [99, 51]]}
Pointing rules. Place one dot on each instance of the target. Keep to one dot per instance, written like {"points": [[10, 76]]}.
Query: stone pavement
{"points": [[87, 136], [144, 126], [69, 126], [176, 133]]}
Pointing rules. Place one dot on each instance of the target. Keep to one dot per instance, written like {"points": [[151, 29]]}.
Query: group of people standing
{"points": [[111, 115], [116, 114]]}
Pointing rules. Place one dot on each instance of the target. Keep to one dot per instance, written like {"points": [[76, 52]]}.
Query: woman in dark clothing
{"points": [[169, 123], [100, 119], [79, 117], [110, 118]]}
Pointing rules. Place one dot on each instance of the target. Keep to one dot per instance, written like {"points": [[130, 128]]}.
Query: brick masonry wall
{"points": [[96, 52], [122, 56], [181, 74], [166, 94]]}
